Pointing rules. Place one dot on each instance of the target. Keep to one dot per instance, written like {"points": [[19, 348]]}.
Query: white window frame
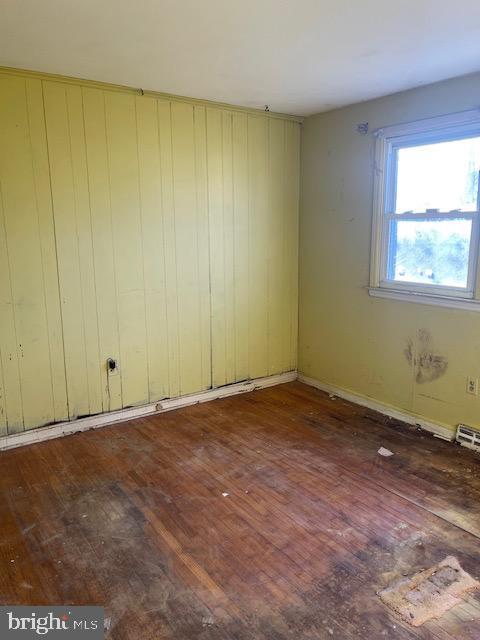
{"points": [[388, 140]]}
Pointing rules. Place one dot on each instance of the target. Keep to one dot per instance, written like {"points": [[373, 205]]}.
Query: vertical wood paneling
{"points": [[292, 197], [186, 235], [21, 223], [42, 177], [85, 248], [70, 193], [157, 232], [153, 247], [12, 394], [104, 263], [222, 253], [241, 245], [217, 248], [228, 243], [3, 408], [127, 241], [166, 163], [258, 246], [278, 263], [66, 199], [203, 231]]}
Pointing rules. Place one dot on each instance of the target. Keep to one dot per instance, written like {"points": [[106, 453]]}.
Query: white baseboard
{"points": [[94, 422], [439, 430]]}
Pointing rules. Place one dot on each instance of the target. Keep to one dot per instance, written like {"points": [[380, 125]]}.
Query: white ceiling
{"points": [[298, 57]]}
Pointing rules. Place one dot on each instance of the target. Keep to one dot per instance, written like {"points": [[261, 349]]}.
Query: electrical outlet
{"points": [[472, 386], [112, 367]]}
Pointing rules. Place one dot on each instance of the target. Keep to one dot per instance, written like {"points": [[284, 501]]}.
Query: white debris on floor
{"points": [[386, 453]]}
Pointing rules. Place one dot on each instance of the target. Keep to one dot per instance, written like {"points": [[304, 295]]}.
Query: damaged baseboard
{"points": [[439, 430], [101, 420], [41, 434]]}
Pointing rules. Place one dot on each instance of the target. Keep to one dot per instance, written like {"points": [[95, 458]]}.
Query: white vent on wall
{"points": [[468, 437]]}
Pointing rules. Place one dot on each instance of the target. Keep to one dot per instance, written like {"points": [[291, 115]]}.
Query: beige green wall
{"points": [[158, 231], [346, 338]]}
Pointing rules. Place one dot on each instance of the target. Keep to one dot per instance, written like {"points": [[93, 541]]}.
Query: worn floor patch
{"points": [[430, 593]]}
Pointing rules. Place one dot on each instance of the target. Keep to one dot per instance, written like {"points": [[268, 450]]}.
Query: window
{"points": [[427, 200]]}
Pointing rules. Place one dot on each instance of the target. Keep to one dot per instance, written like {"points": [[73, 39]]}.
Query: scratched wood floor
{"points": [[133, 517]]}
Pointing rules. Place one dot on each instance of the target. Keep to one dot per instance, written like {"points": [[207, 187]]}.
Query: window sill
{"points": [[467, 304]]}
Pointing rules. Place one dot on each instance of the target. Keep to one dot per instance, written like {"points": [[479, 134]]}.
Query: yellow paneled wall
{"points": [[157, 231]]}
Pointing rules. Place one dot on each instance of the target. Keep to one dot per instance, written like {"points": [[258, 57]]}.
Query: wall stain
{"points": [[428, 364], [409, 352]]}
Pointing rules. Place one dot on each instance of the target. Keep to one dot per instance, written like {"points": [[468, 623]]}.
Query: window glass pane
{"points": [[430, 252], [441, 176]]}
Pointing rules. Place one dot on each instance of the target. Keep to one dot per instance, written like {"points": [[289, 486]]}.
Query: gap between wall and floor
{"points": [[169, 404]]}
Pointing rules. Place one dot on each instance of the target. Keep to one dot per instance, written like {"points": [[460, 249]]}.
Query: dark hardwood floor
{"points": [[268, 515]]}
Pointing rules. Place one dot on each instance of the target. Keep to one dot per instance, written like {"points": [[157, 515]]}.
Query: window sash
{"points": [[405, 285], [391, 169], [389, 140]]}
